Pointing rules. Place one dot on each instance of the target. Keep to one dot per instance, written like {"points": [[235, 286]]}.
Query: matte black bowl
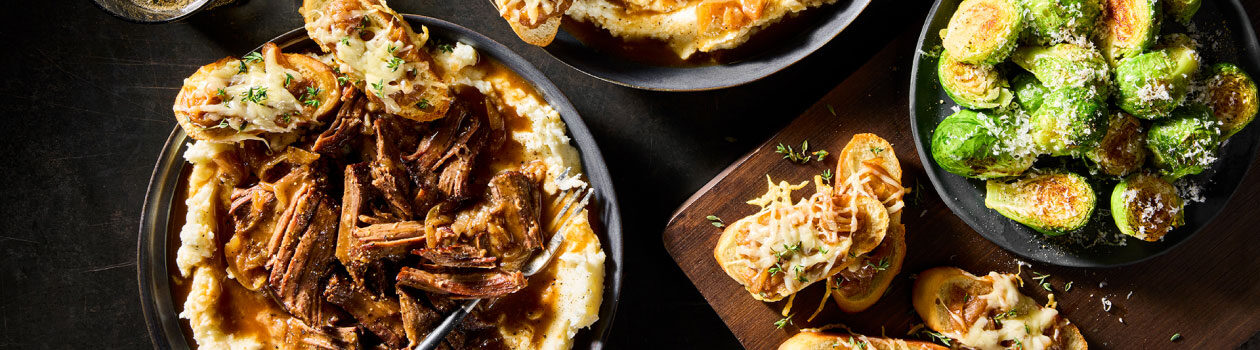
{"points": [[1223, 20], [830, 20], [151, 261]]}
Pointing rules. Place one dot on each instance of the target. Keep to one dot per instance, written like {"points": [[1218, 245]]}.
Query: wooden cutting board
{"points": [[1207, 290]]}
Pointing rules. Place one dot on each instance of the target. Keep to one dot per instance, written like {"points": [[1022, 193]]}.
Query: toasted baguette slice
{"points": [[763, 282], [812, 340], [875, 152], [874, 220], [951, 301], [380, 53], [272, 92], [535, 21], [858, 156], [865, 282], [864, 147]]}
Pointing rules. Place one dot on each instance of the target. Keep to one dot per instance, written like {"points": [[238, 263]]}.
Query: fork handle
{"points": [[439, 333]]}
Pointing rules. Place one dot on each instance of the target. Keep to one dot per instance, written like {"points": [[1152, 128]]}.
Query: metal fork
{"points": [[571, 206]]}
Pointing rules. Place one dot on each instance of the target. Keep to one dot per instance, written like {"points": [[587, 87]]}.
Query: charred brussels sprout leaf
{"points": [[1122, 149], [1070, 120], [983, 31], [1185, 144], [1056, 21], [1147, 207], [978, 145], [1181, 11], [1151, 85], [1052, 203], [1130, 28], [1028, 91], [1066, 65], [1232, 95], [973, 85]]}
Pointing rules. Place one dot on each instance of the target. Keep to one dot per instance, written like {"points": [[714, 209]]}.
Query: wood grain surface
{"points": [[1207, 290]]}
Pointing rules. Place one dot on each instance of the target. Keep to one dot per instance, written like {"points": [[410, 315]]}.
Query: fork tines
{"points": [[567, 199]]}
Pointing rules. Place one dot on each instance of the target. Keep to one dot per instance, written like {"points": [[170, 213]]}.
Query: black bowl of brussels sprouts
{"points": [[1073, 136]]}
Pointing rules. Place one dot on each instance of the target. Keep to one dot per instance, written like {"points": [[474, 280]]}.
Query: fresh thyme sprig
{"points": [[393, 64], [881, 266], [786, 320], [937, 337], [380, 88], [792, 155], [252, 57], [716, 221], [255, 94]]}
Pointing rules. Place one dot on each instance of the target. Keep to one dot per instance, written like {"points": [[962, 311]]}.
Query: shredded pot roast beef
{"points": [[368, 232]]}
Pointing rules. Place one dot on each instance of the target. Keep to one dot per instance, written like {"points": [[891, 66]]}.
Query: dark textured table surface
{"points": [[85, 105]]}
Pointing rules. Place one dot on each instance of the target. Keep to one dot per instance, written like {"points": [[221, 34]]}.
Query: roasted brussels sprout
{"points": [[1151, 85], [1147, 207], [975, 86], [1066, 65], [1186, 143], [1070, 120], [1129, 29], [1122, 149], [1231, 94], [1028, 91], [1181, 11], [1056, 21], [983, 31], [1052, 203], [1183, 50], [979, 145]]}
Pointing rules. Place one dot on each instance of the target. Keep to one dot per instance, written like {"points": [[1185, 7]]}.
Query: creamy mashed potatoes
{"points": [[560, 300], [197, 253], [688, 26]]}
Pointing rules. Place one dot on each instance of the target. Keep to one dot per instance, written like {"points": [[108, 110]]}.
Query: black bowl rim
{"points": [[188, 10], [691, 79], [153, 277], [929, 163]]}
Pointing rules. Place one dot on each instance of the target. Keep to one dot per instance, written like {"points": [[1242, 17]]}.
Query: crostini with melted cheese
{"points": [[989, 312], [787, 246], [535, 21], [869, 163], [810, 339], [380, 54], [270, 92]]}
